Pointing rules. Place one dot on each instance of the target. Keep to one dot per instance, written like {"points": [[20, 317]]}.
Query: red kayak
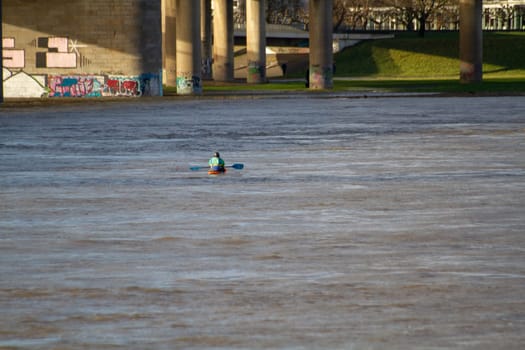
{"points": [[216, 172]]}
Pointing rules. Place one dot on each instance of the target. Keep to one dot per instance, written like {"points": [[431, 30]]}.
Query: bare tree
{"points": [[353, 14], [362, 12], [339, 14], [447, 18], [427, 8], [239, 12], [284, 11], [404, 12], [410, 11], [506, 14], [357, 14]]}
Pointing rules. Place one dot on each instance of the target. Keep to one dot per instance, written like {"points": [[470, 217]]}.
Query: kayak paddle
{"points": [[235, 166]]}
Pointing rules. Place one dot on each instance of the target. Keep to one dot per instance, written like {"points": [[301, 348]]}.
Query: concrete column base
{"points": [[256, 41], [223, 61], [321, 38], [470, 41], [188, 47]]}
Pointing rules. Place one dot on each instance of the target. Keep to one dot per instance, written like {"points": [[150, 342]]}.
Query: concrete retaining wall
{"points": [[82, 48]]}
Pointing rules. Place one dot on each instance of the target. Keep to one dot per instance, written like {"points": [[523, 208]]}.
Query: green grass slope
{"points": [[434, 56], [408, 63]]}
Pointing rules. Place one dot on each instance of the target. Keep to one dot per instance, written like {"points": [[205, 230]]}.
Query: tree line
{"points": [[353, 15]]}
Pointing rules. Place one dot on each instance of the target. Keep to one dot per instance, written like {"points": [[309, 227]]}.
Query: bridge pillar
{"points": [[256, 40], [206, 39], [223, 40], [321, 41], [169, 51], [188, 47], [470, 41]]}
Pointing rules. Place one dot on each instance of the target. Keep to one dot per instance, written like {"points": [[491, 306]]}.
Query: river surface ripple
{"points": [[379, 223]]}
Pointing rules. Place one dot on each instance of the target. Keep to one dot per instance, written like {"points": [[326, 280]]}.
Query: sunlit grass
{"points": [[419, 85], [434, 56], [409, 63]]}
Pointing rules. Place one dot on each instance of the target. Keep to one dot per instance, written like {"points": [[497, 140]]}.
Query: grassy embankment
{"points": [[408, 63]]}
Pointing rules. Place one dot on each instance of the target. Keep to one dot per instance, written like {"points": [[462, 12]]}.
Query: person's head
{"points": [[216, 154]]}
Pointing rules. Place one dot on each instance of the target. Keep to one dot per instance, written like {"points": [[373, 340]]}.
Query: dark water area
{"points": [[379, 223]]}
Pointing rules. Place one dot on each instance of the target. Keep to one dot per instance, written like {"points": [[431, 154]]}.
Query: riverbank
{"points": [[278, 88]]}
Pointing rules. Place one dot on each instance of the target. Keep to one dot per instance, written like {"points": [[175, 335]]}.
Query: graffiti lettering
{"points": [[74, 86], [96, 86], [123, 87], [188, 83]]}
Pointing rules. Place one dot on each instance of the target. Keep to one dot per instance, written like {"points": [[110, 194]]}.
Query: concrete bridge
{"points": [[131, 47], [190, 53], [320, 42]]}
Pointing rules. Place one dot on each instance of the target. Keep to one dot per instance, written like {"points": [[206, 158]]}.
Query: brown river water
{"points": [[378, 223]]}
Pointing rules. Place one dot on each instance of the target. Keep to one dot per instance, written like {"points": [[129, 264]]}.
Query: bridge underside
{"points": [[130, 48]]}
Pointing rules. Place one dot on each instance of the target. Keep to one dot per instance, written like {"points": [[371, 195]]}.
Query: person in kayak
{"points": [[216, 163]]}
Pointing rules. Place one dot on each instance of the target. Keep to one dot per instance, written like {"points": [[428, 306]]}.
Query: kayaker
{"points": [[216, 162]]}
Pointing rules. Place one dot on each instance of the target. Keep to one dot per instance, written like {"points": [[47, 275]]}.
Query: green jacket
{"points": [[216, 162]]}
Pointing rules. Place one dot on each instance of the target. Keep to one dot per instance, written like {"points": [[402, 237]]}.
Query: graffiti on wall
{"points": [[320, 77], [102, 85], [256, 71], [12, 58], [61, 52], [74, 86], [188, 83], [57, 54], [122, 86], [22, 85]]}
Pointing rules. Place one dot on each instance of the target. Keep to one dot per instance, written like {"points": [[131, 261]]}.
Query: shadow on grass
{"points": [[503, 85]]}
